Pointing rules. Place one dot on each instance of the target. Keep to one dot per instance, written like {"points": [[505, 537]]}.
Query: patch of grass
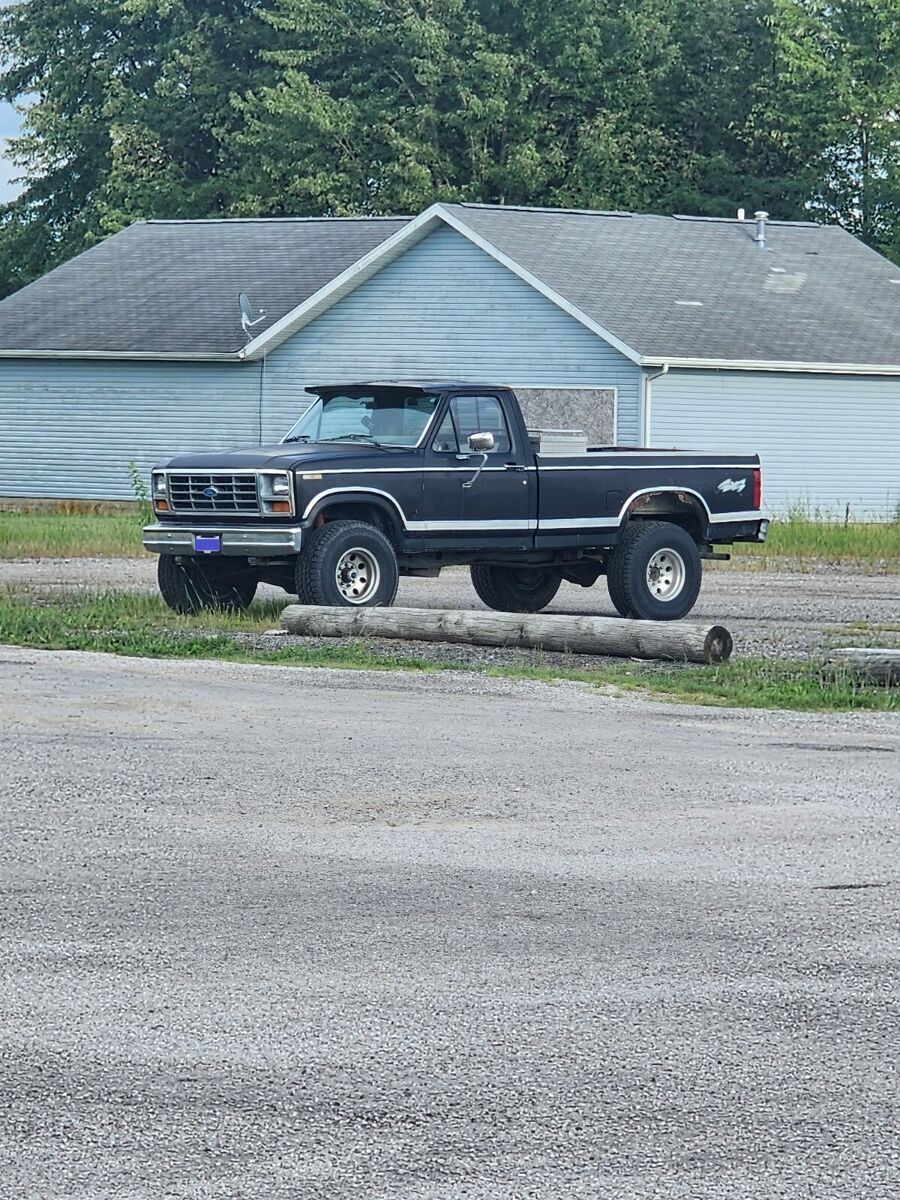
{"points": [[801, 538], [795, 538], [750, 683], [141, 625], [70, 535], [873, 626]]}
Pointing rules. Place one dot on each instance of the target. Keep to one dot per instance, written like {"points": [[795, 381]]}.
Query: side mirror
{"points": [[481, 443]]}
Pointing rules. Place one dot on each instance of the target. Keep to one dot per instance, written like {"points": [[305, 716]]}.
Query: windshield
{"points": [[385, 418]]}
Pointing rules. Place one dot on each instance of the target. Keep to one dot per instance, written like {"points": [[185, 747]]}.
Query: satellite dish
{"points": [[247, 321]]}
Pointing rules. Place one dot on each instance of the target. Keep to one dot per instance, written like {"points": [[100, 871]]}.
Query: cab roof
{"points": [[406, 385]]}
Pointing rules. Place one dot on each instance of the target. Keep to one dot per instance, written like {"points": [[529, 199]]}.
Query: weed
{"points": [[141, 493]]}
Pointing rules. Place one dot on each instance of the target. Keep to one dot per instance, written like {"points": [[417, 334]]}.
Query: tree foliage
{"points": [[129, 114], [841, 64], [163, 108]]}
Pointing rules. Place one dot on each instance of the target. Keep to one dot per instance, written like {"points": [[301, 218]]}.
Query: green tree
{"points": [[129, 115], [841, 64], [187, 108], [388, 106], [720, 103]]}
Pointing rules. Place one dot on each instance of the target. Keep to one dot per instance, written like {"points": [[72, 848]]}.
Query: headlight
{"points": [[276, 492], [159, 491]]}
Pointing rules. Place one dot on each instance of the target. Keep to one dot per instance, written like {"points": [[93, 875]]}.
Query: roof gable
{"points": [[701, 289], [677, 290], [392, 248]]}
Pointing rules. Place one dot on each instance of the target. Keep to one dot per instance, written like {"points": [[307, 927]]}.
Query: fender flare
{"points": [[695, 502], [375, 498]]}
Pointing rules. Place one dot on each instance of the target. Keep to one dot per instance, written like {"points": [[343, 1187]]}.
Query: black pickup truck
{"points": [[379, 480]]}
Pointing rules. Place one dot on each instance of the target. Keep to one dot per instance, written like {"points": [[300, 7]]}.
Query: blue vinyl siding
{"points": [[826, 441], [69, 428], [446, 309]]}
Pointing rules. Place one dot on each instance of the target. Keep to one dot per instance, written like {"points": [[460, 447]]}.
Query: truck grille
{"points": [[213, 493]]}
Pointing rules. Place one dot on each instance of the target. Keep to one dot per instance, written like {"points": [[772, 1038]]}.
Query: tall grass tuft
{"points": [[141, 493], [801, 534]]}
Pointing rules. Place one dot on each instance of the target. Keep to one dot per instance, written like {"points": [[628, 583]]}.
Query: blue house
{"points": [[777, 337]]}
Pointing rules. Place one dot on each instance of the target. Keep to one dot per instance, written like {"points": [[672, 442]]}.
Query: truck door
{"points": [[499, 509]]}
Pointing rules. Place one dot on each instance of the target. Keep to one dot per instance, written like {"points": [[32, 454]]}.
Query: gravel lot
{"points": [[278, 934], [770, 614]]}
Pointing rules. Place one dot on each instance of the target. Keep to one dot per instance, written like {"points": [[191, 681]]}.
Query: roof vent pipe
{"points": [[760, 218]]}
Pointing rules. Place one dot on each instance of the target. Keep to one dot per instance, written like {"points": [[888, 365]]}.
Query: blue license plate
{"points": [[207, 545]]}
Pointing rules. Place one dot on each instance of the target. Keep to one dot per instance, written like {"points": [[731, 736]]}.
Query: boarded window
{"points": [[590, 409]]}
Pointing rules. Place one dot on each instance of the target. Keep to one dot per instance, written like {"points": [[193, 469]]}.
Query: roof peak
{"points": [[643, 216]]}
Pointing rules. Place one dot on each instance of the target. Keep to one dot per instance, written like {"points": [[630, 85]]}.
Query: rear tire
{"points": [[655, 572], [195, 584], [515, 589], [348, 564]]}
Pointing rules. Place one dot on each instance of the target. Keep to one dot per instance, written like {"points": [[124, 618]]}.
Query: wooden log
{"points": [[873, 664], [678, 641]]}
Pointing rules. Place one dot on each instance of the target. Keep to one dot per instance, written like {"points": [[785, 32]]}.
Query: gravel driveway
{"points": [[279, 934], [771, 614]]}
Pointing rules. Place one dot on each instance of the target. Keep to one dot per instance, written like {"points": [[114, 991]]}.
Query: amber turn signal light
{"points": [[162, 506], [281, 506]]}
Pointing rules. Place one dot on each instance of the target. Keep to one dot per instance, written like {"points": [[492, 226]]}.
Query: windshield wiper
{"points": [[353, 437], [301, 437]]}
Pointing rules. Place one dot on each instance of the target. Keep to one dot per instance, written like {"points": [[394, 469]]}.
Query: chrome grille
{"points": [[227, 493]]}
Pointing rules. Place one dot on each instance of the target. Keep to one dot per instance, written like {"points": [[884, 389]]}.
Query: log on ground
{"points": [[872, 664], [677, 641]]}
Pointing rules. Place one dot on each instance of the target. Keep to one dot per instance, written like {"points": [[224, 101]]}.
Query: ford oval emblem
{"points": [[211, 492]]}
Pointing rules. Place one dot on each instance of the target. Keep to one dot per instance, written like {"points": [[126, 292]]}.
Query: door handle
{"points": [[515, 467]]}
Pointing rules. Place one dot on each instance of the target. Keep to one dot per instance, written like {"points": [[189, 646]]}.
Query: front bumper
{"points": [[247, 541]]}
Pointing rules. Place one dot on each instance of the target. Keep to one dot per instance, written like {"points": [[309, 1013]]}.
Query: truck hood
{"points": [[276, 455]]}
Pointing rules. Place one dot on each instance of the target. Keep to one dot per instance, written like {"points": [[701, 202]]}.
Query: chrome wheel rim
{"points": [[357, 575], [666, 575]]}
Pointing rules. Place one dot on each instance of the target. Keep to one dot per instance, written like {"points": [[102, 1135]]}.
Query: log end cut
{"points": [[718, 645]]}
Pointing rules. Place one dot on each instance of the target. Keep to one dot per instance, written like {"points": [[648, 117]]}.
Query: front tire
{"points": [[195, 584], [515, 589], [348, 564], [655, 572]]}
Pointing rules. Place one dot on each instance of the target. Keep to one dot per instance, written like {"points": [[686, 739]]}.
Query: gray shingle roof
{"points": [[172, 286], [685, 287], [667, 287]]}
